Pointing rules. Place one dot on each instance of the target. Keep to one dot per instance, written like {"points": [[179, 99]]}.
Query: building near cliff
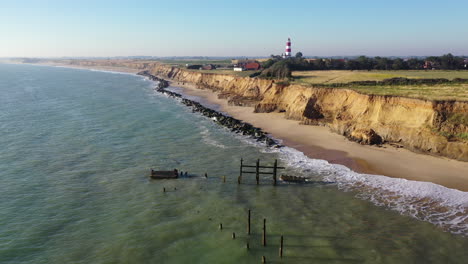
{"points": [[247, 65], [208, 67]]}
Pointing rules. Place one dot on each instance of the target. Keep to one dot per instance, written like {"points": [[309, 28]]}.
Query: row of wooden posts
{"points": [[257, 171], [264, 240]]}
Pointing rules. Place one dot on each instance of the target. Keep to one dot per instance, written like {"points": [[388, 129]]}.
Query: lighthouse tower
{"points": [[287, 54]]}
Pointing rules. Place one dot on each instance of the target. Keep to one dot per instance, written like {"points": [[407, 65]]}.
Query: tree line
{"points": [[278, 67]]}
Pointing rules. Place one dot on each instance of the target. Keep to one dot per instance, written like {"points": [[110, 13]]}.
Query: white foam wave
{"points": [[441, 206], [426, 201], [209, 140]]}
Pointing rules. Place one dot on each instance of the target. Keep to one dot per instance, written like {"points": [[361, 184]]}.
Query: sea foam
{"points": [[439, 205], [426, 201]]}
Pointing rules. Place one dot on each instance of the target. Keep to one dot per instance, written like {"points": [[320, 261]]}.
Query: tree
{"points": [[399, 64], [280, 70], [415, 64], [382, 63], [267, 64], [299, 55]]}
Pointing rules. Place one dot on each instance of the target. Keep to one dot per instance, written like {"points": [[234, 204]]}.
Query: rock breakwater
{"points": [[235, 125]]}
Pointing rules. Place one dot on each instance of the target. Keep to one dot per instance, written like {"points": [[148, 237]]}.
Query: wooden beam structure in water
{"points": [[257, 171], [173, 174]]}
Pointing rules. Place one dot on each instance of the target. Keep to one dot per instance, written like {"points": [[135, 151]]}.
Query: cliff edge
{"points": [[432, 127]]}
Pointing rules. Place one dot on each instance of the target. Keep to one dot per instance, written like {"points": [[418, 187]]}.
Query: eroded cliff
{"points": [[433, 127], [419, 125]]}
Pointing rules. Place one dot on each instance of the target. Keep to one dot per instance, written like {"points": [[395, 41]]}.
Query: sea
{"points": [[76, 150]]}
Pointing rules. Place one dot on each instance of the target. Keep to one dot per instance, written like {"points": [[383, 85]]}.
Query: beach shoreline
{"points": [[319, 142]]}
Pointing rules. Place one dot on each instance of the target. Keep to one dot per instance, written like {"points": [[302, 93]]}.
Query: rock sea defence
{"points": [[419, 125], [235, 125]]}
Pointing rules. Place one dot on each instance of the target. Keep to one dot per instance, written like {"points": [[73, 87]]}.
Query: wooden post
{"points": [[233, 235], [242, 161], [221, 226], [206, 175], [264, 233], [164, 189], [248, 223], [224, 178], [240, 174], [247, 246], [257, 171], [274, 171], [263, 259], [281, 247]]}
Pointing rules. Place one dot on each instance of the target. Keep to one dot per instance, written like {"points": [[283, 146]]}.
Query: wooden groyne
{"points": [[235, 125], [172, 174], [257, 171]]}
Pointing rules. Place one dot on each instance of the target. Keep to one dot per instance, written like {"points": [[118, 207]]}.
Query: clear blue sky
{"points": [[232, 28]]}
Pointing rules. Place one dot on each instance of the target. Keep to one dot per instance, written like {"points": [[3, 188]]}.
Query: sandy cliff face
{"points": [[418, 125]]}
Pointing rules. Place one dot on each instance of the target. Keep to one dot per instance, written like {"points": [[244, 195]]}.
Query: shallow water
{"points": [[76, 149]]}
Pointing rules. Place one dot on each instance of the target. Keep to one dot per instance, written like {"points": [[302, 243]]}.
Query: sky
{"points": [[102, 28]]}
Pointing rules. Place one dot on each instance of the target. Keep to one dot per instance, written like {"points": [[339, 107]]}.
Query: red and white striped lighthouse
{"points": [[288, 48]]}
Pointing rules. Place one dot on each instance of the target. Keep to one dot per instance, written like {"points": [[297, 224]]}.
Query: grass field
{"points": [[224, 71], [457, 92], [182, 63], [325, 77], [438, 92]]}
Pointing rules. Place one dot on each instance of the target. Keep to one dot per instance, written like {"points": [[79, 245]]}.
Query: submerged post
{"points": [[264, 233], [275, 167], [257, 171], [281, 247], [242, 161], [263, 259], [224, 178], [248, 223], [221, 226], [233, 235], [240, 174]]}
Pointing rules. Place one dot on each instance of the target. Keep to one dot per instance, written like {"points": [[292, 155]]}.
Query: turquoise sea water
{"points": [[76, 147]]}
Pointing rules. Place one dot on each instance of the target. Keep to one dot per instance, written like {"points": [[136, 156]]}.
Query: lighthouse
{"points": [[287, 54]]}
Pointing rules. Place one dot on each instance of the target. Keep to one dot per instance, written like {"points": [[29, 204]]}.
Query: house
{"points": [[429, 65], [247, 65], [208, 67], [252, 66]]}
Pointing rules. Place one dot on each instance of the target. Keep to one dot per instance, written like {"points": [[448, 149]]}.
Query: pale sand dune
{"points": [[319, 142]]}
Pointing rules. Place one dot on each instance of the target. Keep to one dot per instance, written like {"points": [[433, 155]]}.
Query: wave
{"points": [[209, 140], [426, 201]]}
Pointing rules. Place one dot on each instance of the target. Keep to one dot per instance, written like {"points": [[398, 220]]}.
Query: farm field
{"points": [[182, 63], [225, 71], [327, 77], [457, 92]]}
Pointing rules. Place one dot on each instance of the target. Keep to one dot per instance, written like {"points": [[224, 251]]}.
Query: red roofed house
{"points": [[252, 66]]}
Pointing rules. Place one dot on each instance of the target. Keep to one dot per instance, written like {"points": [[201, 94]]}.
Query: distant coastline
{"points": [[319, 142]]}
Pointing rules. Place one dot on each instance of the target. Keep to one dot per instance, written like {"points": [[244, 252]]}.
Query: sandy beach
{"points": [[320, 143]]}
